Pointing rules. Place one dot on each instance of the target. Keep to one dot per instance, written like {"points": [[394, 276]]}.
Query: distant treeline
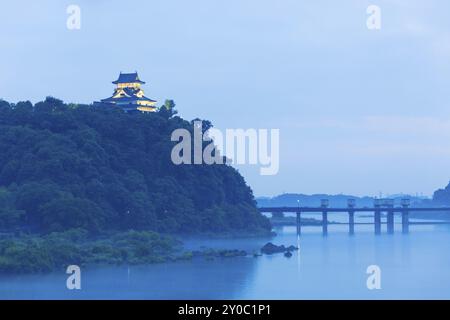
{"points": [[295, 199], [442, 196], [339, 201], [66, 166]]}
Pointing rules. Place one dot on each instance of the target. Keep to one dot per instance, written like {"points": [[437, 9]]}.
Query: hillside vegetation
{"points": [[73, 166]]}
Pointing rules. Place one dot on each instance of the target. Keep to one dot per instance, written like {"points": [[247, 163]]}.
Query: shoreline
{"points": [[43, 254]]}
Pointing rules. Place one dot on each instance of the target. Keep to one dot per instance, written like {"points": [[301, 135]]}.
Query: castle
{"points": [[128, 95]]}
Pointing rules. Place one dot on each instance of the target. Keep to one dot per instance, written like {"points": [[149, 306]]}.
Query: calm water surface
{"points": [[414, 266]]}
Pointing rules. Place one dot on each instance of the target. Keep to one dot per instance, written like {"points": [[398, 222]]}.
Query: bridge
{"points": [[380, 206]]}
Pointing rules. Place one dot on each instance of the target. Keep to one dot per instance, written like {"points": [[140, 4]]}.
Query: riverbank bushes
{"points": [[55, 251]]}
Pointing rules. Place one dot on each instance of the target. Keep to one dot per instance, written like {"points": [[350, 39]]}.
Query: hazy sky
{"points": [[359, 111]]}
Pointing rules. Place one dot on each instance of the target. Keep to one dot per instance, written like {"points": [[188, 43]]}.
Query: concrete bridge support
{"points": [[325, 223], [405, 221], [405, 215], [351, 222], [377, 221], [299, 223], [390, 222], [379, 206]]}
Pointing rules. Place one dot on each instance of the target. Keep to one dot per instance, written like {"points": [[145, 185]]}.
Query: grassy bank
{"points": [[21, 253], [34, 254]]}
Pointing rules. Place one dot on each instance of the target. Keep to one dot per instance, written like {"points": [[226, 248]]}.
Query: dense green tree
{"points": [[10, 217], [442, 196], [77, 166]]}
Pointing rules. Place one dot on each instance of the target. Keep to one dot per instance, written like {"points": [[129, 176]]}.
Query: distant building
{"points": [[128, 95]]}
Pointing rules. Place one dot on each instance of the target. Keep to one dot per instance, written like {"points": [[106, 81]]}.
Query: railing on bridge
{"points": [[380, 205]]}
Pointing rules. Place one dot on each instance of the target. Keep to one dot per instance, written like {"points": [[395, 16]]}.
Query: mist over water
{"points": [[413, 266]]}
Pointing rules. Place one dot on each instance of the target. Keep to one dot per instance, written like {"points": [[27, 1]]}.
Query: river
{"points": [[413, 266]]}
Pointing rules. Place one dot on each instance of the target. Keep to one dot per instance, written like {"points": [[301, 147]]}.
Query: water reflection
{"points": [[298, 254], [413, 266]]}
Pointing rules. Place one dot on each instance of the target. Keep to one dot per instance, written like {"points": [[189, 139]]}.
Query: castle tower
{"points": [[129, 95]]}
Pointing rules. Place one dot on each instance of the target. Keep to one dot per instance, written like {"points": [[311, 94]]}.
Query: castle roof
{"points": [[129, 96], [128, 78], [131, 99]]}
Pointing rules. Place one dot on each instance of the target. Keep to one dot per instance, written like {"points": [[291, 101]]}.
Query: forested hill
{"points": [[65, 166]]}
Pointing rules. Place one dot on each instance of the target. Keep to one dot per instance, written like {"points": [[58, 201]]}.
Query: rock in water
{"points": [[288, 254], [270, 248]]}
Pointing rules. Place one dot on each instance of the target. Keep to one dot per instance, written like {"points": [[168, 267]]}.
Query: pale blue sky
{"points": [[359, 111]]}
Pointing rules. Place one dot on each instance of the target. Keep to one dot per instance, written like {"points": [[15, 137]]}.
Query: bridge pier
{"points": [[351, 222], [324, 205], [377, 209], [390, 222], [405, 222], [299, 223], [377, 222], [325, 223], [351, 216], [377, 217], [405, 215]]}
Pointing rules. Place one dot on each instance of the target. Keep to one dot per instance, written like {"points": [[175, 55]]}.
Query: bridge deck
{"points": [[355, 209], [405, 211]]}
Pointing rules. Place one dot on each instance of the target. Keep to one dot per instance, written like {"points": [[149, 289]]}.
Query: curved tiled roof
{"points": [[127, 99], [128, 78]]}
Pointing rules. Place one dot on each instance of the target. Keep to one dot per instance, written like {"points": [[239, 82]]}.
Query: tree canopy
{"points": [[442, 196], [65, 166]]}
